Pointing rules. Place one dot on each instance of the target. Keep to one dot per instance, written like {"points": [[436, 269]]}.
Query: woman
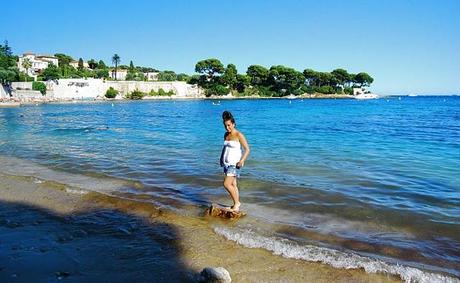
{"points": [[232, 157]]}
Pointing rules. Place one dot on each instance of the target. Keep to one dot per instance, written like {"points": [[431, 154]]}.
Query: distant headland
{"points": [[32, 78]]}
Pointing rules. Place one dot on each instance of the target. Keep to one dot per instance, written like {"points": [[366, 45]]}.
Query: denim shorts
{"points": [[231, 170]]}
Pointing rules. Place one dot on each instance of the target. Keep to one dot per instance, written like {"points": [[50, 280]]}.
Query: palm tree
{"points": [[116, 61], [26, 64]]}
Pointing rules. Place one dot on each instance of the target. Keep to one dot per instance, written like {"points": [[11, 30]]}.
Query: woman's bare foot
{"points": [[236, 207]]}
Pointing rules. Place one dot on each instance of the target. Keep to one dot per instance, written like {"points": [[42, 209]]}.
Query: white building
{"points": [[37, 63], [120, 75], [75, 64]]}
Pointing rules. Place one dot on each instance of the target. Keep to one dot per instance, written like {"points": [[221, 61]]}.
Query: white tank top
{"points": [[232, 152]]}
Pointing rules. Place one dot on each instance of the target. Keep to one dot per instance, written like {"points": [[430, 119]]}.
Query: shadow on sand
{"points": [[103, 245]]}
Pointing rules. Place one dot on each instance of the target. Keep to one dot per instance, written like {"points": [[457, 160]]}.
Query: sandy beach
{"points": [[49, 232]]}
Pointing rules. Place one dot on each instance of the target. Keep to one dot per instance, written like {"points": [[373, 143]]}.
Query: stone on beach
{"points": [[223, 212], [215, 275]]}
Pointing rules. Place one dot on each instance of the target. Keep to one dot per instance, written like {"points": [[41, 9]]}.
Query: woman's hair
{"points": [[226, 116]]}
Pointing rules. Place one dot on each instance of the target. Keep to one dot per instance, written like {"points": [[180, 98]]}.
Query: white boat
{"points": [[366, 96]]}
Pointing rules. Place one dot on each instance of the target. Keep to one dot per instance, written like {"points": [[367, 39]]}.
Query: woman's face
{"points": [[229, 126]]}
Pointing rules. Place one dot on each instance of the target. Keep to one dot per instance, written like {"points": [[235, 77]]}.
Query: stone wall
{"points": [[21, 85], [181, 89], [67, 89], [28, 95]]}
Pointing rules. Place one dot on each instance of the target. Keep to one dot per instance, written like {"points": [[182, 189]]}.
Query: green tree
{"points": [[326, 79], [342, 77], [258, 75], [131, 66], [63, 59], [7, 49], [210, 68], [216, 89], [67, 71], [229, 77], [167, 76], [311, 76], [183, 77], [284, 80], [242, 82], [101, 65], [80, 64], [363, 79], [92, 64], [8, 69], [116, 60], [194, 79], [51, 73], [26, 64], [102, 73]]}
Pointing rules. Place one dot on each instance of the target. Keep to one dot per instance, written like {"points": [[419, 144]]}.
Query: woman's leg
{"points": [[230, 186], [236, 206]]}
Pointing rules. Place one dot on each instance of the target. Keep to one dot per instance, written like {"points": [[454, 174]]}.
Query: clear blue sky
{"points": [[407, 46]]}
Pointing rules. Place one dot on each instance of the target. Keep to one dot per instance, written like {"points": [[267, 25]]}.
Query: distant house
{"points": [[75, 64], [119, 75], [37, 63], [151, 76]]}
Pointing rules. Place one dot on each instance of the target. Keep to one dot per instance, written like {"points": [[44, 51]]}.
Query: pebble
{"points": [[215, 275]]}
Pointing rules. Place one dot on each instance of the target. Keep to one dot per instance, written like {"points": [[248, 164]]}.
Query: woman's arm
{"points": [[222, 157], [222, 153], [245, 145]]}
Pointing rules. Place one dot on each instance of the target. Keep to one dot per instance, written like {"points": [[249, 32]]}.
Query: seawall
{"points": [[88, 89]]}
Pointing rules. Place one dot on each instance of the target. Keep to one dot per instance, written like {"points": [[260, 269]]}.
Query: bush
{"points": [[102, 73], [137, 94], [217, 89], [40, 86], [111, 93], [348, 90], [25, 78], [298, 92], [265, 91], [326, 89], [161, 92]]}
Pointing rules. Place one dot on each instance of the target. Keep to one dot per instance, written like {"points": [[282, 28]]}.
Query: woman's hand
{"points": [[240, 164]]}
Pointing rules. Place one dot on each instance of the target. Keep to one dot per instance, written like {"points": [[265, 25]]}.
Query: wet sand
{"points": [[49, 233]]}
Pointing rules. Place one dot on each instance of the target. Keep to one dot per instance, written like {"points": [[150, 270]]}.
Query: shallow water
{"points": [[376, 178]]}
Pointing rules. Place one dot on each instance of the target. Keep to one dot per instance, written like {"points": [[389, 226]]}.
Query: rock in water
{"points": [[215, 275], [223, 212]]}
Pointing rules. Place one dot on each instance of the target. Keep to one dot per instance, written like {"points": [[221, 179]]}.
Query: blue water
{"points": [[379, 177]]}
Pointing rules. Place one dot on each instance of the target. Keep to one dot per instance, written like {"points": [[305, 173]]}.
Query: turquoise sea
{"points": [[369, 184]]}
